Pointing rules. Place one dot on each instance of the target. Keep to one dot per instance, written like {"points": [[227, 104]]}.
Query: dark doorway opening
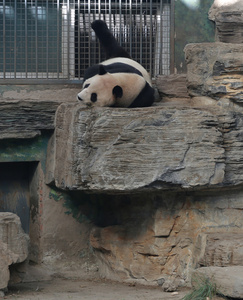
{"points": [[15, 179]]}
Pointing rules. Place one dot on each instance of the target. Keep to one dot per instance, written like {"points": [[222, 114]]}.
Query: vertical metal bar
{"points": [[36, 38], [15, 38], [89, 12], [120, 21], [58, 39], [4, 42], [26, 41], [151, 39], [68, 37], [109, 13], [47, 41], [99, 8], [172, 36], [99, 13], [78, 24], [161, 37], [131, 27], [141, 31]]}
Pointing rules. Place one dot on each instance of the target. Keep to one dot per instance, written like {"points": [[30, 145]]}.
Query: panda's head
{"points": [[111, 89], [100, 90]]}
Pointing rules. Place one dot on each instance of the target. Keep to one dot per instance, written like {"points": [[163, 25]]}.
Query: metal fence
{"points": [[52, 39]]}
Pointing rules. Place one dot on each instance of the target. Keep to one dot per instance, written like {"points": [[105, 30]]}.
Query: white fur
{"points": [[102, 85]]}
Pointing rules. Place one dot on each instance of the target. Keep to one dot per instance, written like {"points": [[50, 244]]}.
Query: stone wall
{"points": [[160, 238], [149, 194], [165, 182], [57, 235]]}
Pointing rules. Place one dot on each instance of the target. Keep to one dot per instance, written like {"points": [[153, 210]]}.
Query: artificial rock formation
{"points": [[165, 182], [13, 245], [228, 19], [160, 236], [228, 280], [215, 70], [121, 150], [23, 119]]}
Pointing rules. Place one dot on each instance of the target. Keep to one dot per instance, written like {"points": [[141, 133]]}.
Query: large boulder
{"points": [[228, 18], [229, 280], [13, 245], [215, 70], [124, 150], [223, 250]]}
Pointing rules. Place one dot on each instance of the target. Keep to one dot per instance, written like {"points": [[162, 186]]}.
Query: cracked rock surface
{"points": [[122, 150]]}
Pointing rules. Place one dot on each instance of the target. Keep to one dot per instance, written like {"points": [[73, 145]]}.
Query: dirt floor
{"points": [[65, 289]]}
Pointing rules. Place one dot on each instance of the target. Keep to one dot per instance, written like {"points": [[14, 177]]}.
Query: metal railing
{"points": [[51, 40]]}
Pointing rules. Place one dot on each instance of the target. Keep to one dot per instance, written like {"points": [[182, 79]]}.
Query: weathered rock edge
{"points": [[215, 70], [20, 119], [13, 245], [131, 150], [229, 280]]}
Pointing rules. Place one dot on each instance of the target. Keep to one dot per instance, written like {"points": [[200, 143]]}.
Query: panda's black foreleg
{"points": [[145, 97], [108, 41]]}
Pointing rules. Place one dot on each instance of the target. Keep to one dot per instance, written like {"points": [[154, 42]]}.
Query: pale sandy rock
{"points": [[229, 280], [223, 249], [13, 245]]}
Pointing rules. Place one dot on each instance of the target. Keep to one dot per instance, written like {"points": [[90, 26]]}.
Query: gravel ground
{"points": [[65, 289]]}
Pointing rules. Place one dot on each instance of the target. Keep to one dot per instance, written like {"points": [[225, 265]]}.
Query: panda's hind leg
{"points": [[108, 41]]}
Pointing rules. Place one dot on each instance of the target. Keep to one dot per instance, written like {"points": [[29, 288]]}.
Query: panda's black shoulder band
{"points": [[111, 68]]}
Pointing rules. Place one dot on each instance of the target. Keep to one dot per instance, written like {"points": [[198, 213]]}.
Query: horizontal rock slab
{"points": [[229, 280], [215, 70], [13, 245], [21, 119], [107, 149]]}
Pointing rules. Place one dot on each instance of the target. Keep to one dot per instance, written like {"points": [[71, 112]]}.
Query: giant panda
{"points": [[118, 81]]}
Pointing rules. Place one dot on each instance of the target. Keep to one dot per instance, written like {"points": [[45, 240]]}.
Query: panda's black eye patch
{"points": [[93, 97], [86, 85]]}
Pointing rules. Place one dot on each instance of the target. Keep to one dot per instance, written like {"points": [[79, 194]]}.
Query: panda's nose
{"points": [[79, 98]]}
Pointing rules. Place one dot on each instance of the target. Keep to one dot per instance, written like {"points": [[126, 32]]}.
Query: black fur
{"points": [[113, 50], [145, 98], [117, 91], [107, 40], [112, 68]]}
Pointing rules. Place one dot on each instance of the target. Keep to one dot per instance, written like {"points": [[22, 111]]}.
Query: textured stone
{"points": [[122, 150], [160, 238], [229, 280], [228, 20], [25, 119], [223, 249], [13, 245], [215, 70], [129, 150], [172, 86]]}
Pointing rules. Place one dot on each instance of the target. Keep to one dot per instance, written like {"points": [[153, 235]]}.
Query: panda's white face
{"points": [[100, 90]]}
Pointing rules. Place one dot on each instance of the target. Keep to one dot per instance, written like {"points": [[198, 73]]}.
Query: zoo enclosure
{"points": [[51, 40]]}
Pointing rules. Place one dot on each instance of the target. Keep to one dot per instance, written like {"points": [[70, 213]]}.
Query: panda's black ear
{"points": [[117, 91], [102, 70]]}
